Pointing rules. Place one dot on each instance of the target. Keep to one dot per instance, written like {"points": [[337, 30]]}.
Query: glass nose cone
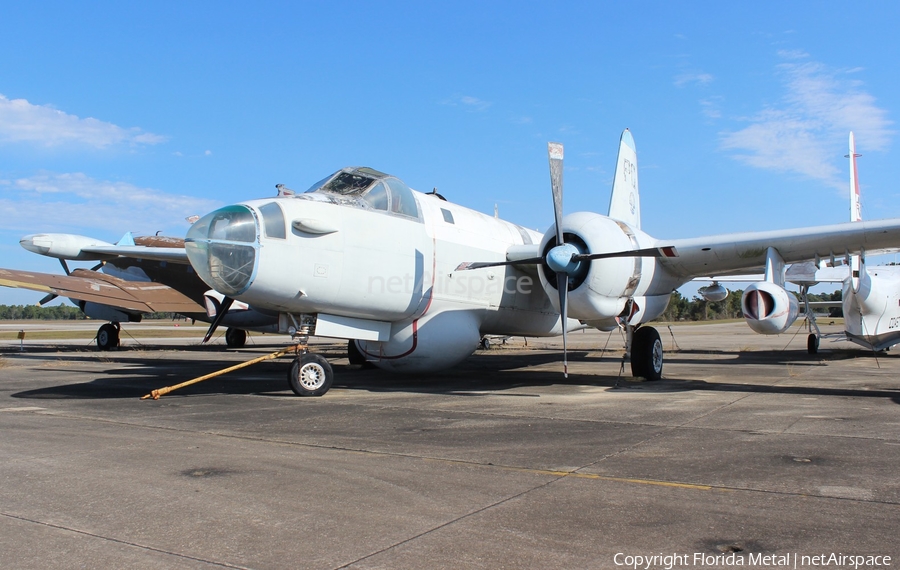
{"points": [[221, 247]]}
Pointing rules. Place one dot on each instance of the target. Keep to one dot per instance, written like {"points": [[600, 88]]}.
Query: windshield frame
{"points": [[351, 186]]}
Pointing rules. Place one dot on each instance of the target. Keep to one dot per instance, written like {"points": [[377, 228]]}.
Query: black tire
{"points": [[646, 354], [354, 355], [485, 343], [310, 375], [812, 344], [107, 337], [235, 338]]}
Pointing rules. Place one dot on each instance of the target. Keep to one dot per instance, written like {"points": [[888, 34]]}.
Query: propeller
{"points": [[564, 259], [220, 314], [556, 257], [50, 296]]}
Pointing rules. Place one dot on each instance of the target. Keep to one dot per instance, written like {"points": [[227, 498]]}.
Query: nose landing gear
{"points": [[310, 375]]}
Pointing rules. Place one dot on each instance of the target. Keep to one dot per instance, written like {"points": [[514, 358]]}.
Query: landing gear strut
{"points": [[812, 341], [108, 336]]}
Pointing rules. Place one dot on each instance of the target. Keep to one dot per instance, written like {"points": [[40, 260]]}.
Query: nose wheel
{"points": [[310, 375]]}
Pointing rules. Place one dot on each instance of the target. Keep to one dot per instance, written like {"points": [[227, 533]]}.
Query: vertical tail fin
{"points": [[857, 261], [855, 208], [625, 202]]}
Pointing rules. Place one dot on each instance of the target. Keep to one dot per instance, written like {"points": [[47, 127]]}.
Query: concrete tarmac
{"points": [[744, 450]]}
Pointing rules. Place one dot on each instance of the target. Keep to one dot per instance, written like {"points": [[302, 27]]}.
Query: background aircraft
{"points": [[362, 256], [870, 295], [130, 282]]}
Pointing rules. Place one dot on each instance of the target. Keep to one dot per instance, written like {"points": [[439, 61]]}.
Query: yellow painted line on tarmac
{"points": [[616, 479], [590, 476]]}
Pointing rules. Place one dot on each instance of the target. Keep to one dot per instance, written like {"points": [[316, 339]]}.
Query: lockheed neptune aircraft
{"points": [[414, 281]]}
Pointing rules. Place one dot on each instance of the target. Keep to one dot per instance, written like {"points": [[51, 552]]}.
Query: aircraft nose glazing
{"points": [[221, 247]]}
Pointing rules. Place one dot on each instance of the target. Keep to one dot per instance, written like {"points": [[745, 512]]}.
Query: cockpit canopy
{"points": [[376, 190]]}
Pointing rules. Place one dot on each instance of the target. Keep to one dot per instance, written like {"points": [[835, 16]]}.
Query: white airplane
{"points": [[870, 296], [414, 281]]}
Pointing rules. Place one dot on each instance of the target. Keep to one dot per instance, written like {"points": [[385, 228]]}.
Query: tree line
{"points": [[683, 309], [680, 309], [55, 313]]}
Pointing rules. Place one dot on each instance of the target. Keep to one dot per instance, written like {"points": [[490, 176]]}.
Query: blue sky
{"points": [[123, 116]]}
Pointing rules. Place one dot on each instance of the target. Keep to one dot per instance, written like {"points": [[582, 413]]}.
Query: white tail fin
{"points": [[625, 202], [855, 208], [857, 261]]}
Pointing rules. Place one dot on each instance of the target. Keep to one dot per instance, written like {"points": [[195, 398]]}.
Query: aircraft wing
{"points": [[808, 273], [171, 254], [804, 273], [95, 287], [725, 253]]}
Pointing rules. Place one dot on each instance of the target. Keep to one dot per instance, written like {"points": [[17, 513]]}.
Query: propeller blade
{"points": [[555, 151], [666, 251], [481, 264], [65, 266], [47, 299], [562, 286], [223, 309]]}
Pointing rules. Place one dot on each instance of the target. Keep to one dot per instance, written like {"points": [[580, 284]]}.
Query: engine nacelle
{"points": [[106, 313], [63, 246], [713, 293], [599, 289], [769, 308], [437, 341], [646, 308]]}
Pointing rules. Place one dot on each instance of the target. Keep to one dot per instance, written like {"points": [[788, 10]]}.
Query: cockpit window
{"points": [[273, 220], [377, 197], [402, 200], [232, 223], [368, 188], [348, 182]]}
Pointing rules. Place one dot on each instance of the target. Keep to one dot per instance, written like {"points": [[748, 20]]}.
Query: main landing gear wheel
{"points": [[235, 338], [354, 355], [108, 337], [812, 344], [310, 375], [646, 354]]}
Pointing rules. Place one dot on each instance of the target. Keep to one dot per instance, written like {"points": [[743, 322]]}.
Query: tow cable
{"points": [[296, 348]]}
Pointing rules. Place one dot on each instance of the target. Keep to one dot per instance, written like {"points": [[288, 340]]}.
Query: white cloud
{"points": [[77, 203], [710, 107], [801, 134], [21, 121], [683, 79], [468, 102]]}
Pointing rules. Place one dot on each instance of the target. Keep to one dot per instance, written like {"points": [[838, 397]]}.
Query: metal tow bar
{"points": [[296, 348]]}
